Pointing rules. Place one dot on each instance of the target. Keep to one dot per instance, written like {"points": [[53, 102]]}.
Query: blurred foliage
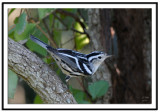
{"points": [[79, 95], [80, 39], [52, 24], [43, 12], [21, 24], [12, 83], [11, 11], [98, 89], [37, 100]]}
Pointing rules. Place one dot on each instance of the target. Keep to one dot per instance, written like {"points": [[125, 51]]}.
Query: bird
{"points": [[73, 63]]}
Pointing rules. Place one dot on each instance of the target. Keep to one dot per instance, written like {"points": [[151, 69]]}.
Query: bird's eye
{"points": [[99, 57]]}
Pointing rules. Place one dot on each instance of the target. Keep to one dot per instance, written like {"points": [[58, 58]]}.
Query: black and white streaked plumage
{"points": [[73, 63]]}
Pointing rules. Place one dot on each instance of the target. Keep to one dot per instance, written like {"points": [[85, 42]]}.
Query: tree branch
{"points": [[38, 75]]}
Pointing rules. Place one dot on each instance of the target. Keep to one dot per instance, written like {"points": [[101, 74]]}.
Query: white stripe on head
{"points": [[73, 58], [87, 69], [92, 57]]}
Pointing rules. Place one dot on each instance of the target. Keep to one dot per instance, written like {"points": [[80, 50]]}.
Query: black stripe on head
{"points": [[92, 59], [94, 53]]}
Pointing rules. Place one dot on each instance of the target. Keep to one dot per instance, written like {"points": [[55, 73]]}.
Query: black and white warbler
{"points": [[73, 63]]}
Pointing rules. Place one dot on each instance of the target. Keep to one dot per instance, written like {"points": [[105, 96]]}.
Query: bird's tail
{"points": [[39, 42]]}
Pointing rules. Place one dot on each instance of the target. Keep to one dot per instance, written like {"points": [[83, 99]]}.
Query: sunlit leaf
{"points": [[12, 83], [80, 39], [78, 27]]}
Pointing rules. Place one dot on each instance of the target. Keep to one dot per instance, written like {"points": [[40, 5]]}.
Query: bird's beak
{"points": [[108, 56]]}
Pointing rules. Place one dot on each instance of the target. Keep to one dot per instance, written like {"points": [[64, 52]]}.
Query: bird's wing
{"points": [[70, 60]]}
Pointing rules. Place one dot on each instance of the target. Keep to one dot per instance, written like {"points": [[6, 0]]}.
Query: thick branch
{"points": [[37, 74]]}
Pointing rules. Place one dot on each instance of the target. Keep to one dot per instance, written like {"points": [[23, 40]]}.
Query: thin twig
{"points": [[67, 41], [46, 26], [61, 11], [66, 25], [77, 31], [72, 15]]}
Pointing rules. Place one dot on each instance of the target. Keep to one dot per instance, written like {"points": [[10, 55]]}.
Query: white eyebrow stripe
{"points": [[73, 58], [92, 57], [87, 69]]}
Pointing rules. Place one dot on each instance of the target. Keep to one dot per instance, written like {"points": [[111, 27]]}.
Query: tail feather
{"points": [[39, 42]]}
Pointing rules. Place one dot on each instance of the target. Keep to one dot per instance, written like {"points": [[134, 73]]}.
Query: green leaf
{"points": [[26, 32], [12, 83], [11, 11], [57, 37], [16, 20], [43, 12], [85, 14], [58, 24], [38, 100], [51, 21], [21, 25], [80, 39], [69, 21], [47, 60], [79, 95], [80, 98], [11, 32], [98, 89], [71, 10]]}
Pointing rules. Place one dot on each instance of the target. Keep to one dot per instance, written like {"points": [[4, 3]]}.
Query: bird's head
{"points": [[96, 58]]}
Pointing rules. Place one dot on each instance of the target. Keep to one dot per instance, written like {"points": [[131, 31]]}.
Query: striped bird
{"points": [[74, 63]]}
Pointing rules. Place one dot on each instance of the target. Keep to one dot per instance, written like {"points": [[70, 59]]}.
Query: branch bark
{"points": [[38, 75]]}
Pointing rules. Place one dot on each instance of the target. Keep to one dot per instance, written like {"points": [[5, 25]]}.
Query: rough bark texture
{"points": [[98, 42], [133, 28], [38, 75]]}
